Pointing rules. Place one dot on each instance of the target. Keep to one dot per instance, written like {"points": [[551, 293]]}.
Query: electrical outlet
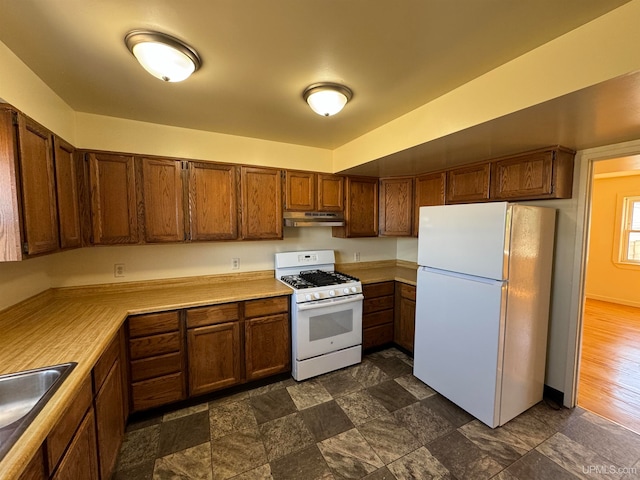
{"points": [[235, 263], [118, 270], [356, 257]]}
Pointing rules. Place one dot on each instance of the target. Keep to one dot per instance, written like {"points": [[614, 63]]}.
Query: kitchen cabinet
{"points": [[67, 194], [35, 469], [213, 201], [114, 206], [429, 190], [534, 175], [308, 191], [156, 357], [267, 337], [361, 208], [261, 203], [377, 314], [468, 184], [162, 199], [214, 348], [396, 206], [330, 190], [404, 316], [80, 459]]}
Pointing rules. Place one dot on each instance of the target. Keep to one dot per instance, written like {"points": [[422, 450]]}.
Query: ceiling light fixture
{"points": [[163, 56], [327, 99]]}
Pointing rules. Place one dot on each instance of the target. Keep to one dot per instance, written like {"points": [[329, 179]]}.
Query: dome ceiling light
{"points": [[327, 99], [163, 56]]}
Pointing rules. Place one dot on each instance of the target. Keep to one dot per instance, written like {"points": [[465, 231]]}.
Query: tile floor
{"points": [[374, 421]]}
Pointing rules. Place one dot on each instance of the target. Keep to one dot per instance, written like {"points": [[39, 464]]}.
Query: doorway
{"points": [[609, 376]]}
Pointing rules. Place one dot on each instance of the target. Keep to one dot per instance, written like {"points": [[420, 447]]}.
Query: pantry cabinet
{"points": [[361, 208], [261, 203], [404, 316], [429, 190], [396, 206]]}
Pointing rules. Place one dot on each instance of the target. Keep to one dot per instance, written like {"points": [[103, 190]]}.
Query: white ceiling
{"points": [[259, 55]]}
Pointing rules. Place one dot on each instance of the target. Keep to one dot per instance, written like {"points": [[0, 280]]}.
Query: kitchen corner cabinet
{"points": [[468, 184], [213, 346], [429, 191], [162, 199], [377, 314], [213, 201], [261, 203], [396, 207], [404, 316], [114, 206], [536, 175], [267, 337], [67, 194], [361, 208]]}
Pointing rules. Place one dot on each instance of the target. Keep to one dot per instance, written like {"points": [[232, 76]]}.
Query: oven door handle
{"points": [[329, 302]]}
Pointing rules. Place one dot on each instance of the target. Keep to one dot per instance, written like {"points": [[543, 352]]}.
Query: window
{"points": [[630, 232]]}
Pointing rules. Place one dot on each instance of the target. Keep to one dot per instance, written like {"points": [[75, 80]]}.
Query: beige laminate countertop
{"points": [[77, 325]]}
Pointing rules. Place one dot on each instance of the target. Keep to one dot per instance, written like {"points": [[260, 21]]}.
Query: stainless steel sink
{"points": [[22, 396]]}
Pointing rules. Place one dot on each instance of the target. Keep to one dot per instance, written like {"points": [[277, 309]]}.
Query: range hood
{"points": [[313, 219]]}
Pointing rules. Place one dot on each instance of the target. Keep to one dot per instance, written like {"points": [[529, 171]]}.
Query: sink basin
{"points": [[22, 396]]}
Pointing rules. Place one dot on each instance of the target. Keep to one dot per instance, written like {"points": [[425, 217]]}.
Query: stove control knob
{"points": [[307, 297], [316, 295], [346, 291], [354, 289], [332, 293]]}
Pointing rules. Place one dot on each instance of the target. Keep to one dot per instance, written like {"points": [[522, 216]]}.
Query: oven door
{"points": [[325, 326]]}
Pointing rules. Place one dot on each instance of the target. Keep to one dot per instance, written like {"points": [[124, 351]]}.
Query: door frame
{"points": [[583, 185]]}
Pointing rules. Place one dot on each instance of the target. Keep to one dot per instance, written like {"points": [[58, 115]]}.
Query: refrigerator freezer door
{"points": [[464, 238], [458, 340]]}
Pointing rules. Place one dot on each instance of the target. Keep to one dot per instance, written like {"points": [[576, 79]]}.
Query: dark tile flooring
{"points": [[375, 421]]}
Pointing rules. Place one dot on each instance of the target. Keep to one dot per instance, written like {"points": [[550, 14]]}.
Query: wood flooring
{"points": [[609, 378]]}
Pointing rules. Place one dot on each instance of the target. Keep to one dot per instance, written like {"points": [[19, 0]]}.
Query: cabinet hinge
{"points": [[185, 165], [25, 247]]}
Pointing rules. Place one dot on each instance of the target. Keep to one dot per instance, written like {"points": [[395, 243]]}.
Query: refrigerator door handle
{"points": [[472, 278]]}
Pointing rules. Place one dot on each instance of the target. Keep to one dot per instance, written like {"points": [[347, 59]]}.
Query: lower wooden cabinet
{"points": [[405, 316], [267, 346], [377, 314], [109, 404], [35, 470], [80, 460]]}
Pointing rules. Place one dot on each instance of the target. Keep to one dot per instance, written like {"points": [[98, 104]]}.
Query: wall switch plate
{"points": [[235, 264], [118, 270], [356, 257]]}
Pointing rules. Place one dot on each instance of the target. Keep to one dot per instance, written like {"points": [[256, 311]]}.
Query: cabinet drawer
{"points": [[407, 291], [142, 325], [371, 305], [377, 318], [104, 363], [200, 317], [154, 345], [156, 366], [268, 306], [157, 391], [377, 289], [62, 433], [376, 336]]}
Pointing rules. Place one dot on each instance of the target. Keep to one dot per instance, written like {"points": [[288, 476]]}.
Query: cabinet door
{"points": [[67, 193], [163, 200], [261, 203], [405, 314], [361, 209], [522, 177], [114, 215], [396, 206], [267, 346], [429, 191], [37, 178], [214, 357], [330, 193], [468, 184], [35, 470], [80, 460], [110, 427], [213, 201], [299, 191]]}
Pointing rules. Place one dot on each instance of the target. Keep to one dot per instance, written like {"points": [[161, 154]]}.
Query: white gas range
{"points": [[326, 312]]}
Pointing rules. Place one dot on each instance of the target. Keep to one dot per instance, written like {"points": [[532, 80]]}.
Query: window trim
{"points": [[623, 219]]}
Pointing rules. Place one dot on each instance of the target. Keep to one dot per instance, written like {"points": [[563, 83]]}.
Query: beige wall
{"points": [[606, 278]]}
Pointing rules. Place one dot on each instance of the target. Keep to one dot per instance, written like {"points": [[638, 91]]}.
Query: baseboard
{"points": [[620, 301], [556, 396]]}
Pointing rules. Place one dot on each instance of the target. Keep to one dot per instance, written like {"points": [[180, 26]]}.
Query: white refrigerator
{"points": [[482, 305]]}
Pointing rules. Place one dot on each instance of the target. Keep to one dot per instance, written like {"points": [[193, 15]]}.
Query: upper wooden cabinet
{"points": [[114, 213], [396, 206], [468, 184], [67, 193], [361, 208], [261, 203], [330, 190], [308, 191], [429, 190], [213, 201], [162, 199], [541, 174]]}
